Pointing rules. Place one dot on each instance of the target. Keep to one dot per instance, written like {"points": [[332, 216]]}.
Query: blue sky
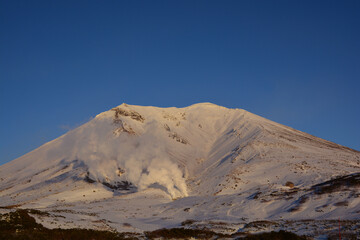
{"points": [[63, 62]]}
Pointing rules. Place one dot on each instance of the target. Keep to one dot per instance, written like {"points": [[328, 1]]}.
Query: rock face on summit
{"points": [[218, 163]]}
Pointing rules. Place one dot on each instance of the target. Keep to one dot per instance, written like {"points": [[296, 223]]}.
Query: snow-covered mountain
{"points": [[136, 168]]}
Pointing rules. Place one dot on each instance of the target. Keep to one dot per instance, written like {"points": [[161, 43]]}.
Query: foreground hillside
{"points": [[20, 225], [136, 169]]}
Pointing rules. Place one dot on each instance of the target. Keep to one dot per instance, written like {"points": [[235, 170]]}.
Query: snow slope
{"points": [[154, 167]]}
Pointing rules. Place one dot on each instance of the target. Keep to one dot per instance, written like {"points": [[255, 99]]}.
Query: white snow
{"points": [[203, 162]]}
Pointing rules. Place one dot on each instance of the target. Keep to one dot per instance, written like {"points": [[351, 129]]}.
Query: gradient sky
{"points": [[63, 62]]}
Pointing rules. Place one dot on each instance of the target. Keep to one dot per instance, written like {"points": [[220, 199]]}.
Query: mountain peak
{"points": [[204, 104], [203, 151]]}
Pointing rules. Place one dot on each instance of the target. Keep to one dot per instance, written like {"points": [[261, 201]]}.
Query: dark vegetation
{"points": [[182, 233], [19, 225], [281, 235], [337, 184], [187, 222], [347, 236], [259, 224], [349, 182]]}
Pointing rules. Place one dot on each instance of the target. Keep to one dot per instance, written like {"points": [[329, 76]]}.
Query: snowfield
{"points": [[136, 169]]}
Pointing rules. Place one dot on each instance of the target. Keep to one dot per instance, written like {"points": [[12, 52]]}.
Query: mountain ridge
{"points": [[176, 159]]}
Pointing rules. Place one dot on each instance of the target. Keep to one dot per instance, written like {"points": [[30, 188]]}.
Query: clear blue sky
{"points": [[63, 62]]}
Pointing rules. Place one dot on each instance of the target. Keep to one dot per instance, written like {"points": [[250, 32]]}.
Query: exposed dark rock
{"points": [[123, 185], [127, 113]]}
